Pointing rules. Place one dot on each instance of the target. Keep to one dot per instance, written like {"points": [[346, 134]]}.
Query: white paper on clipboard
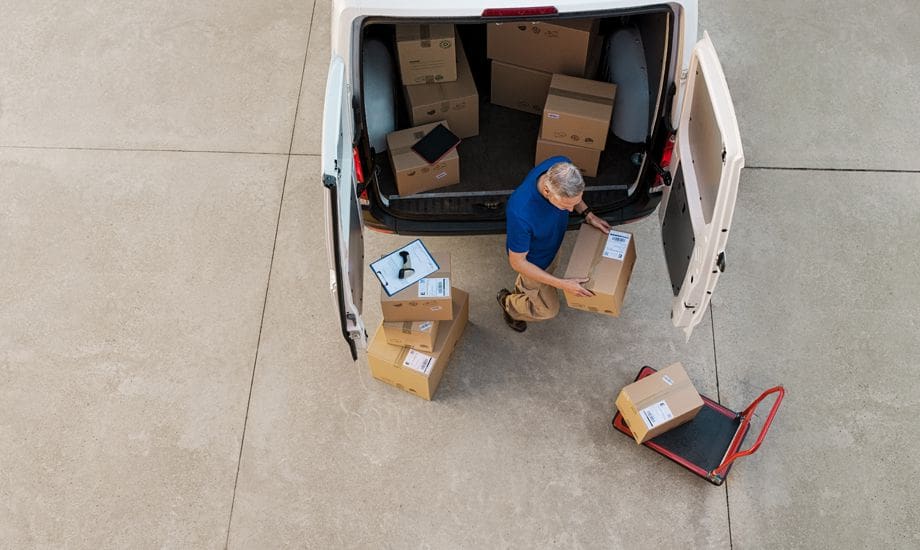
{"points": [[387, 268]]}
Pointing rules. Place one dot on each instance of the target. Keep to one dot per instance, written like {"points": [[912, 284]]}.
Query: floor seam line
{"points": [[271, 263], [140, 150], [844, 170], [715, 360]]}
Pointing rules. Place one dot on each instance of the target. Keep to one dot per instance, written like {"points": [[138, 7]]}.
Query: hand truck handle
{"points": [[733, 452]]}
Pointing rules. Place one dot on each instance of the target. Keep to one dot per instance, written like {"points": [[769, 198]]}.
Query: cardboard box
{"points": [[416, 372], [413, 173], [427, 53], [456, 102], [578, 111], [519, 87], [420, 335], [565, 47], [659, 402], [422, 301], [585, 159], [607, 261]]}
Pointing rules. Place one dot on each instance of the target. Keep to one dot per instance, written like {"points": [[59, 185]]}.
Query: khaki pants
{"points": [[531, 300]]}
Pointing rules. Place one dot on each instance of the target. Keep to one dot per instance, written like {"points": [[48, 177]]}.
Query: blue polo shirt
{"points": [[535, 226]]}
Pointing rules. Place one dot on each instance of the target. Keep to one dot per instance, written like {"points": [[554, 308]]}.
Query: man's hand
{"points": [[598, 222], [574, 286]]}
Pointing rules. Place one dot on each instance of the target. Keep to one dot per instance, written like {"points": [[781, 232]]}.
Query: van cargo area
{"points": [[494, 162]]}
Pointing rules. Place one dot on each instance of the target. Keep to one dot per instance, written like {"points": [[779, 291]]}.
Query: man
{"points": [[538, 216]]}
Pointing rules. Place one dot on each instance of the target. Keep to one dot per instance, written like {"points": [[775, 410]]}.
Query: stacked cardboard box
{"points": [[438, 88], [422, 325], [413, 173], [525, 56], [575, 121]]}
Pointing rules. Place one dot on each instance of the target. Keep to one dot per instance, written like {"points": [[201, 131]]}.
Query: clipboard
{"points": [[413, 256]]}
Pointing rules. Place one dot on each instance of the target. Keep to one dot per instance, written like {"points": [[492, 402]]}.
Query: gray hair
{"points": [[564, 180]]}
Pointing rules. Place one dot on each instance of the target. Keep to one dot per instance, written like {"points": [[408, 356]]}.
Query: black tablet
{"points": [[436, 144]]}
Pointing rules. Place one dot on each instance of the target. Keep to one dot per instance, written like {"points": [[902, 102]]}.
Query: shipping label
{"points": [[419, 362], [656, 415], [617, 242], [434, 287]]}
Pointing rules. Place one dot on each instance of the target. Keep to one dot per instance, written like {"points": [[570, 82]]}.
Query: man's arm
{"points": [[592, 218], [519, 263]]}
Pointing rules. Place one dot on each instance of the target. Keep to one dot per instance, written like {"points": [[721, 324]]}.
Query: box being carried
{"points": [[456, 102], [429, 299], [413, 173], [607, 262], [519, 87], [659, 402], [414, 371], [578, 111], [427, 53], [565, 47]]}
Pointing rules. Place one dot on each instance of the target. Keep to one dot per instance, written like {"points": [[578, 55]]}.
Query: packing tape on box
{"points": [[407, 327], [424, 33], [581, 96], [598, 256]]}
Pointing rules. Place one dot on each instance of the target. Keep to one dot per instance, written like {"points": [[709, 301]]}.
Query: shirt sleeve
{"points": [[519, 234]]}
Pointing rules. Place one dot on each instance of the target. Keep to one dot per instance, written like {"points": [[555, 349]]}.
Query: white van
{"points": [[689, 105]]}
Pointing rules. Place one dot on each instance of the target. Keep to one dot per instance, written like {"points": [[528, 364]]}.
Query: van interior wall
{"points": [[494, 162]]}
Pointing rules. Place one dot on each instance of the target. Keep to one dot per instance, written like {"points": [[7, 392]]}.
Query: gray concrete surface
{"points": [[170, 375]]}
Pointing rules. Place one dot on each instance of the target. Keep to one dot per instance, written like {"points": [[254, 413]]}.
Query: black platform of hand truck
{"points": [[708, 444]]}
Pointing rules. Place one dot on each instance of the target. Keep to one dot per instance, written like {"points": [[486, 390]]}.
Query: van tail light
{"points": [[520, 12], [663, 177], [359, 171]]}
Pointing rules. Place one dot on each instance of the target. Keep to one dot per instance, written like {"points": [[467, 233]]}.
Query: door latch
{"points": [[720, 262]]}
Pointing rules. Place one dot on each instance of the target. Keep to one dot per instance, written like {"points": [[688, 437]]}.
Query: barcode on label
{"points": [[656, 415], [425, 327]]}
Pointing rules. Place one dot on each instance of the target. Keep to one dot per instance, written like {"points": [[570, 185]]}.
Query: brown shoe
{"points": [[517, 326]]}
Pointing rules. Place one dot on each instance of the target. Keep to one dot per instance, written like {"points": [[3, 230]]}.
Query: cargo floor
{"points": [[495, 161]]}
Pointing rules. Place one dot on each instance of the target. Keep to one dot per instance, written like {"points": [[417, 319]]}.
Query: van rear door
{"points": [[696, 210], [344, 226]]}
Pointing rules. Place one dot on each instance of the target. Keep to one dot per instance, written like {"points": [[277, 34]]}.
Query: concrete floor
{"points": [[171, 375]]}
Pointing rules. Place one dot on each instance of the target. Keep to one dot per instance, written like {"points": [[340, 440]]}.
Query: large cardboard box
{"points": [[565, 47], [429, 299], [607, 261], [578, 111], [420, 335], [413, 173], [411, 370], [456, 102], [585, 159], [659, 402], [519, 87], [427, 53]]}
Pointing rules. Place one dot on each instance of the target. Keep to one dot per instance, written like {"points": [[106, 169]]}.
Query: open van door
{"points": [[344, 226], [696, 210]]}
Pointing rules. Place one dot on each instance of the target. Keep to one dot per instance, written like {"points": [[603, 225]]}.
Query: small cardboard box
{"points": [[420, 335], [413, 173], [427, 300], [411, 370], [565, 47], [456, 102], [578, 111], [427, 53], [607, 261], [519, 87], [585, 159], [659, 402]]}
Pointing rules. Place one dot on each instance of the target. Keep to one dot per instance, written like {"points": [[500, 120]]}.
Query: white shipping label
{"points": [[656, 415], [434, 287], [419, 362], [617, 242], [553, 116], [425, 327], [667, 380], [441, 175]]}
